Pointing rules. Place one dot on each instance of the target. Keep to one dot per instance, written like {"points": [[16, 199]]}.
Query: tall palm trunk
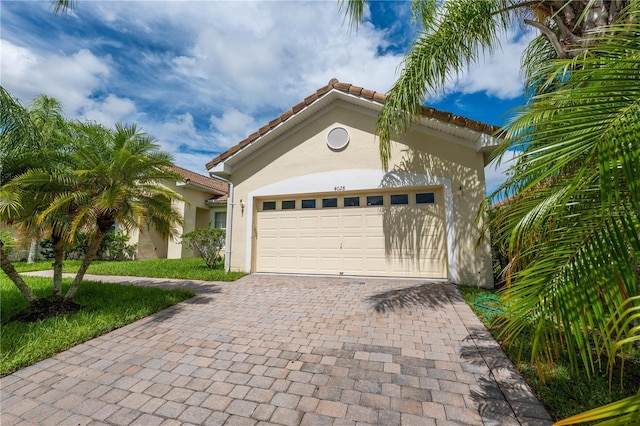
{"points": [[88, 258], [58, 252], [33, 251], [13, 275]]}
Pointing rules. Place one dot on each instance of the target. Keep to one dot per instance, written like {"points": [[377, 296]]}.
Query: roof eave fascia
{"points": [[487, 144], [470, 138], [191, 184], [222, 170], [216, 202]]}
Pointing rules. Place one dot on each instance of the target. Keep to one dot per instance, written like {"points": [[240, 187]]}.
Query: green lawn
{"points": [[191, 268], [563, 393], [107, 307]]}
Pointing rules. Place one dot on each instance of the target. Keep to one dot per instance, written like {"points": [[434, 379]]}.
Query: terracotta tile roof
{"points": [[216, 185], [357, 91]]}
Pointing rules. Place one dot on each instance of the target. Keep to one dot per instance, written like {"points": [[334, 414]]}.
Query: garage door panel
{"points": [[288, 223], [401, 241], [373, 218], [288, 243], [329, 242], [308, 264], [308, 223], [353, 242], [308, 242], [375, 267], [330, 222], [374, 241], [353, 223]]}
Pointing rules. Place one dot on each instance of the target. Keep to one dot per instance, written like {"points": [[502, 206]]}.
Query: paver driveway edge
{"points": [[283, 350]]}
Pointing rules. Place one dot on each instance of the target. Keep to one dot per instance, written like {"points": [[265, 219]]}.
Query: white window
{"points": [[220, 220]]}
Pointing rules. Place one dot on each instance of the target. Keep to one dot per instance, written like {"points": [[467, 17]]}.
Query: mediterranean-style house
{"points": [[307, 193], [203, 205]]}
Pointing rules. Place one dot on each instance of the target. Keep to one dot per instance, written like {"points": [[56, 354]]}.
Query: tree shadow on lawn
{"points": [[166, 283], [433, 295], [203, 292]]}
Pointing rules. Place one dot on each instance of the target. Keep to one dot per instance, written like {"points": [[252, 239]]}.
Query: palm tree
{"points": [[458, 33], [125, 169], [62, 179], [46, 115], [113, 177], [572, 223], [27, 139], [36, 139]]}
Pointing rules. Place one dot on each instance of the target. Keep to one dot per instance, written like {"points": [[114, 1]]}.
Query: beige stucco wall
{"points": [[196, 215], [419, 152]]}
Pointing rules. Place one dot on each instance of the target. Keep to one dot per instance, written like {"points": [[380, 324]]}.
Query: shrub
{"points": [[114, 247], [208, 241], [9, 242]]}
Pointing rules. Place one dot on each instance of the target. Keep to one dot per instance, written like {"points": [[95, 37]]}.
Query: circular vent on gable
{"points": [[338, 138]]}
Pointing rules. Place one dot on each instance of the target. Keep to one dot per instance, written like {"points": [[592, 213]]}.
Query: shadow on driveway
{"points": [[432, 295]]}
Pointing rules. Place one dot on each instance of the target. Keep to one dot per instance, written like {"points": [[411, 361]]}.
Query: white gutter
{"points": [[227, 253], [227, 250]]}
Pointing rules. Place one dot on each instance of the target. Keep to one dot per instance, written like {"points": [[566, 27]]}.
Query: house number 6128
{"points": [[339, 188]]}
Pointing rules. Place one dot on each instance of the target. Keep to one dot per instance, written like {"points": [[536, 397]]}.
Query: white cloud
{"points": [[110, 111], [231, 127], [71, 79], [248, 55], [192, 161], [498, 75], [232, 121], [496, 174], [171, 132]]}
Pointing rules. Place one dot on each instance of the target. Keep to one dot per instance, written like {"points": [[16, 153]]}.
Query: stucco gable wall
{"points": [[304, 152], [196, 214]]}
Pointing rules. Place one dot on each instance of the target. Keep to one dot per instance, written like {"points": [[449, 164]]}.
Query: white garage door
{"points": [[377, 234]]}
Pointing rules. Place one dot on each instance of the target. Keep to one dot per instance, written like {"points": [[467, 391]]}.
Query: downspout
{"points": [[227, 255], [227, 250]]}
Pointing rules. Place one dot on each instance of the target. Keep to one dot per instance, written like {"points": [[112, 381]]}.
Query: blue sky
{"points": [[202, 75]]}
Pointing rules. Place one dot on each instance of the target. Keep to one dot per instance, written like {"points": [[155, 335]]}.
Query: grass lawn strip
{"points": [[107, 307], [188, 269]]}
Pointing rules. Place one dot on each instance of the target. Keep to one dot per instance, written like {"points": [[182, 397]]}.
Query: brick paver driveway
{"points": [[284, 350]]}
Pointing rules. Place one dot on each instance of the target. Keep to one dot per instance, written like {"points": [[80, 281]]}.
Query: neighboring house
{"points": [[308, 194], [204, 205]]}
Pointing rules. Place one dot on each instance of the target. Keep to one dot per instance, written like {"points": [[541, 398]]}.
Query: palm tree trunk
{"points": [[33, 250], [58, 250], [13, 275], [88, 258]]}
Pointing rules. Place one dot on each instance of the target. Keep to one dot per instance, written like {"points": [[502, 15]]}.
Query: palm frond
{"points": [[462, 32], [572, 223], [623, 412], [62, 6]]}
